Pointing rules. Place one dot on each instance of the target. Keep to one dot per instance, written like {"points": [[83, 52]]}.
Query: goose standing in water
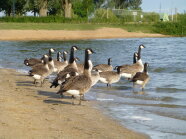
{"points": [[33, 61], [79, 85], [95, 77], [104, 67], [141, 78], [110, 77], [128, 71]]}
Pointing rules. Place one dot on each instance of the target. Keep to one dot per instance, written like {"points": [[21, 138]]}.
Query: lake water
{"points": [[159, 111]]}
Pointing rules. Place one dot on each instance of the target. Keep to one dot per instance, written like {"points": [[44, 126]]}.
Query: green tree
{"points": [[83, 8], [135, 4], [55, 7], [7, 6], [127, 4], [33, 6], [67, 7], [37, 6]]}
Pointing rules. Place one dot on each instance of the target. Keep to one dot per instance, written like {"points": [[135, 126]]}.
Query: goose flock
{"points": [[77, 79]]}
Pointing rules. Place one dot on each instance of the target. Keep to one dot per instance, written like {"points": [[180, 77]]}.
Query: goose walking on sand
{"points": [[40, 72]]}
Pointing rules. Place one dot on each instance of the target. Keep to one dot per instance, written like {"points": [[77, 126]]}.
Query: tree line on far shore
{"points": [[66, 8]]}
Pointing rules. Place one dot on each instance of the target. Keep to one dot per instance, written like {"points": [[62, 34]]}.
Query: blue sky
{"points": [[154, 5]]}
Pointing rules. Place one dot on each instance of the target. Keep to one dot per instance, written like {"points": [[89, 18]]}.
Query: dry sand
{"points": [[103, 33], [33, 112]]}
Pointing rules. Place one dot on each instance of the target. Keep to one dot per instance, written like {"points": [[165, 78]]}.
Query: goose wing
{"points": [[103, 67], [140, 76], [77, 83]]}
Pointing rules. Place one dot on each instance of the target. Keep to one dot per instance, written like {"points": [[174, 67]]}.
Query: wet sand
{"points": [[103, 33], [27, 111]]}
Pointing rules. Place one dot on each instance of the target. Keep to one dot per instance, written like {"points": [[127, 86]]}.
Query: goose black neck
{"points": [[118, 70], [109, 61], [50, 59], [58, 56], [134, 58], [50, 53], [64, 57], [145, 68], [71, 60], [86, 64], [139, 53]]}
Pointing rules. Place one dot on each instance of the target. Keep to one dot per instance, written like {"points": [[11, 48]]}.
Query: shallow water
{"points": [[159, 111]]}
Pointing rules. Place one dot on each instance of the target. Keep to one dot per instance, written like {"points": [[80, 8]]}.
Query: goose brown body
{"points": [[79, 85], [104, 67], [141, 78]]}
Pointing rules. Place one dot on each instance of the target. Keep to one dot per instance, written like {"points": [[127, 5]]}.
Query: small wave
{"points": [[168, 99], [169, 69], [141, 118], [22, 71], [159, 69], [170, 90], [179, 71], [105, 99]]}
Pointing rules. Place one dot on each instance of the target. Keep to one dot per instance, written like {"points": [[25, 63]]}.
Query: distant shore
{"points": [[103, 33], [38, 112]]}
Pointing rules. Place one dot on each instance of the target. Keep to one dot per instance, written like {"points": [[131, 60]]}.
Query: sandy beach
{"points": [[27, 111], [103, 33]]}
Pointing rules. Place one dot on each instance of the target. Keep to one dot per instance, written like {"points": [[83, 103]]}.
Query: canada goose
{"points": [[128, 71], [135, 59], [95, 77], [58, 64], [34, 61], [104, 67], [72, 67], [80, 66], [40, 72], [72, 62], [141, 78], [79, 85], [40, 64], [110, 77], [51, 50]]}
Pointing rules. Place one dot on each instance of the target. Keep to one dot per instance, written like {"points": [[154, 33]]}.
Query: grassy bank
{"points": [[147, 28], [60, 23]]}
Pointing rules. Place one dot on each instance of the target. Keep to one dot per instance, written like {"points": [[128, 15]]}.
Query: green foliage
{"points": [[48, 19], [127, 4], [6, 5], [55, 7], [104, 16], [172, 28], [83, 8], [151, 17]]}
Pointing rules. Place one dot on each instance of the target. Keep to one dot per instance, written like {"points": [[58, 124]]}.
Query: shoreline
{"points": [[64, 35], [38, 112]]}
